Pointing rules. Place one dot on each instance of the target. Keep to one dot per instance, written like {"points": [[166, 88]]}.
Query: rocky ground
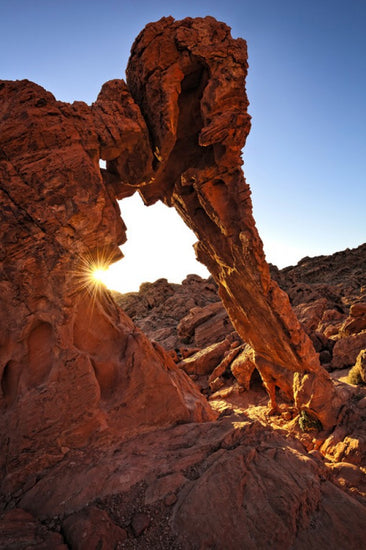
{"points": [[163, 489], [258, 479], [328, 294]]}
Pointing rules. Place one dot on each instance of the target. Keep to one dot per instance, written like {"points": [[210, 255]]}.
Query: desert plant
{"points": [[354, 376], [309, 422]]}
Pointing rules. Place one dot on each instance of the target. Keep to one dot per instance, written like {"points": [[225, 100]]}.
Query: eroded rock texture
{"points": [[81, 385], [190, 314], [73, 365], [189, 79], [230, 484]]}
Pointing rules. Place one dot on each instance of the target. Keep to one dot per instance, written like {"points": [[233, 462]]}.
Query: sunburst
{"points": [[98, 273], [91, 272]]}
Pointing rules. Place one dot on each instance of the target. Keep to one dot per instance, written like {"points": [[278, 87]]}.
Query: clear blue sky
{"points": [[305, 158]]}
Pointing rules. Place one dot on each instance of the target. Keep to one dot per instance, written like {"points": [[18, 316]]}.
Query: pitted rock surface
{"points": [[73, 365]]}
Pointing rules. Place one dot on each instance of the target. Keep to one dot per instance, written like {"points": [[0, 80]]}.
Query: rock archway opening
{"points": [[159, 245]]}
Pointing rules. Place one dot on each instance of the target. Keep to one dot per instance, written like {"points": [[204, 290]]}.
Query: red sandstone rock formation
{"points": [[320, 288], [19, 529], [60, 216], [195, 107], [327, 294], [73, 366], [81, 387], [230, 484], [190, 314]]}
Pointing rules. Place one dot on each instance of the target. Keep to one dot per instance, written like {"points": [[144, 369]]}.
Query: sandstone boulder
{"points": [[356, 322], [346, 350], [310, 314], [243, 366], [205, 361], [204, 326], [358, 309], [159, 307], [92, 528], [230, 484], [251, 518], [21, 531]]}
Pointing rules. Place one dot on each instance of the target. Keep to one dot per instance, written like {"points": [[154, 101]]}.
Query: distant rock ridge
{"points": [[348, 264], [328, 294]]}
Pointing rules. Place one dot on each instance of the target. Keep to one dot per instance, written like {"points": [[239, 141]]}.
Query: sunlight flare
{"points": [[98, 275], [92, 272]]}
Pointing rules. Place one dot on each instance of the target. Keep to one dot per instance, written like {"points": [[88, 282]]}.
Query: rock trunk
{"points": [[189, 80]]}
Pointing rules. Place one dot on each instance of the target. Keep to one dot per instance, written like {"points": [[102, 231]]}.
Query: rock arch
{"points": [[188, 78], [175, 132]]}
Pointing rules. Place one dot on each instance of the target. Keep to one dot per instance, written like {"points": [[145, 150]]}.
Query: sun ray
{"points": [[98, 274], [91, 271]]}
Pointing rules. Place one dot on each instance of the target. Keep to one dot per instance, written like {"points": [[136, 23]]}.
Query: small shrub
{"points": [[354, 376], [309, 423]]}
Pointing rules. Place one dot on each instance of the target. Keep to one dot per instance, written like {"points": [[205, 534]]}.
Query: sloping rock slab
{"points": [[231, 484]]}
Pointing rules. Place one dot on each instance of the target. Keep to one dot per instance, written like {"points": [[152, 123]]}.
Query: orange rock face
{"points": [[189, 79], [71, 362], [73, 367]]}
